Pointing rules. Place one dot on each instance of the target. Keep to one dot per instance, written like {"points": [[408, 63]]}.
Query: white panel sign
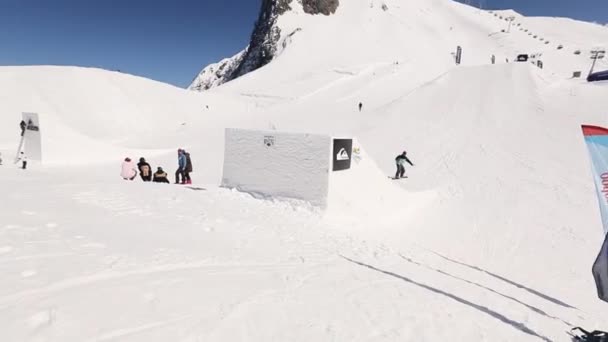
{"points": [[32, 138], [277, 164]]}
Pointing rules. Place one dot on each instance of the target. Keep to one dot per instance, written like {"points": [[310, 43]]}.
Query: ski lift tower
{"points": [[510, 19], [595, 55]]}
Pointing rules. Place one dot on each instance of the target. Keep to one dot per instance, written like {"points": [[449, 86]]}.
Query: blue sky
{"points": [[167, 40]]}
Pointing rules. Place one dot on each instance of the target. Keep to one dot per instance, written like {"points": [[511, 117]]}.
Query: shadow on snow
{"points": [[517, 325], [510, 282], [531, 307]]}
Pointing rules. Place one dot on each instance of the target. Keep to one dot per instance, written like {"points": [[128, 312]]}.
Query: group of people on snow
{"points": [[130, 170]]}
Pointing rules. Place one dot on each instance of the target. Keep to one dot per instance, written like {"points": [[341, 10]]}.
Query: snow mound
{"points": [[280, 165]]}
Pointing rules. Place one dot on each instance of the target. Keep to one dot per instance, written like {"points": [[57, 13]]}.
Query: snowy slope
{"points": [[498, 227], [93, 115]]}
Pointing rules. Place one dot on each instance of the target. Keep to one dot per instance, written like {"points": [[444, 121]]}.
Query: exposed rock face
{"points": [[214, 75], [325, 7], [263, 45], [265, 37]]}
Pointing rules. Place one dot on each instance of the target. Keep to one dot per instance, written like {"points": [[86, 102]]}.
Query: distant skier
{"points": [[128, 169], [493, 59], [181, 167], [23, 125], [188, 169], [145, 170], [0, 158], [160, 176], [400, 161], [360, 106], [23, 159]]}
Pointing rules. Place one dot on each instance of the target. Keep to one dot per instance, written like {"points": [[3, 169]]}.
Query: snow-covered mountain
{"points": [[267, 40], [495, 240], [411, 30]]}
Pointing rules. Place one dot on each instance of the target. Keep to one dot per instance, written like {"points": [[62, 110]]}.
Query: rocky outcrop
{"points": [[326, 7], [216, 74], [265, 37], [264, 43]]}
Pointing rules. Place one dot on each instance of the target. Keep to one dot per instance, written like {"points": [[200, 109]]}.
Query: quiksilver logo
{"points": [[342, 155]]}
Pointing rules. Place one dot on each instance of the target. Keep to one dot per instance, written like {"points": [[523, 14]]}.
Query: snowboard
{"points": [[195, 188], [393, 178]]}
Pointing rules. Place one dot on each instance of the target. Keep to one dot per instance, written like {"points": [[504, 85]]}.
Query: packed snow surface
{"points": [[491, 238]]}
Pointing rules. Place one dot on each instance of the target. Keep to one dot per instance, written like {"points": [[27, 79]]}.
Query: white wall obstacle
{"points": [[275, 164]]}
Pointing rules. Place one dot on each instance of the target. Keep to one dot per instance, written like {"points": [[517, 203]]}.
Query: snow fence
{"points": [[332, 173]]}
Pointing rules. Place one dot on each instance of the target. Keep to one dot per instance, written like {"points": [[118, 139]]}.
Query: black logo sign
{"points": [[31, 126], [342, 154]]}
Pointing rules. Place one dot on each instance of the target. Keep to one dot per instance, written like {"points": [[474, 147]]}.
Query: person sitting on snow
{"points": [[145, 170], [160, 176], [128, 170], [400, 161]]}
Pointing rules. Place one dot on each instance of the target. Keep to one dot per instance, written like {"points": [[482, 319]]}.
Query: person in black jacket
{"points": [[160, 176], [187, 179], [145, 170], [400, 161], [22, 125]]}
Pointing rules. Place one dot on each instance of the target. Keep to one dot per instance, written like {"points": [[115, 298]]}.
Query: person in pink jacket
{"points": [[129, 170]]}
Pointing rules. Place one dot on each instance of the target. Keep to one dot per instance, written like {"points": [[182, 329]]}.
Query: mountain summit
{"points": [[267, 40]]}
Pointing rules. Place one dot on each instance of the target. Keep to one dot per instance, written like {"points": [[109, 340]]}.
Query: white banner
{"points": [[33, 141]]}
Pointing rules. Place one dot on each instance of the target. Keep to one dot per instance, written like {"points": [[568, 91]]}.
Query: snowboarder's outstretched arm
{"points": [[408, 160]]}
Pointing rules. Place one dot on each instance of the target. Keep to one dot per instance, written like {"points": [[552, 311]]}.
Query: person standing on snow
{"points": [[23, 125], [160, 176], [493, 59], [400, 161], [188, 169], [145, 170], [360, 106], [181, 167], [128, 170], [23, 159], [0, 158]]}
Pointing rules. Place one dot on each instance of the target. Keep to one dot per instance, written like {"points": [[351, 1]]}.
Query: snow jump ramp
{"points": [[331, 173]]}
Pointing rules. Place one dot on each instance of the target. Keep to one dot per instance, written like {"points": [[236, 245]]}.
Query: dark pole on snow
{"points": [[595, 55]]}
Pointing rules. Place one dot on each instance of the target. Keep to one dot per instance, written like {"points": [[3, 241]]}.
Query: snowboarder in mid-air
{"points": [[23, 125], [400, 161]]}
